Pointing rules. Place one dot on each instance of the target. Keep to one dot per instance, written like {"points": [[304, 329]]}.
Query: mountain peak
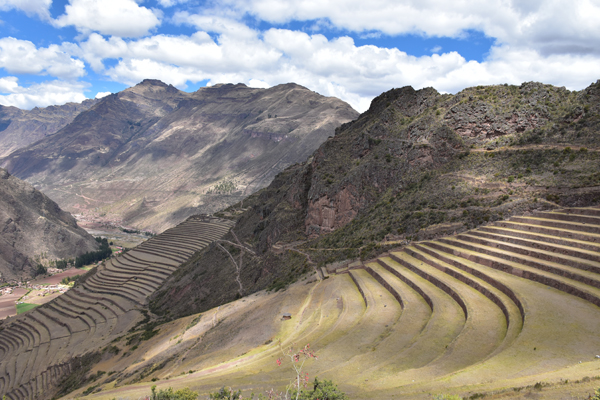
{"points": [[152, 82]]}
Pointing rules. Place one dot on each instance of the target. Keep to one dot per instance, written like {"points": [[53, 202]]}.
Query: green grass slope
{"points": [[435, 317]]}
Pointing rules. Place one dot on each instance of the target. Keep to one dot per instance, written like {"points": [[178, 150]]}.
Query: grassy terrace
{"points": [[489, 311]]}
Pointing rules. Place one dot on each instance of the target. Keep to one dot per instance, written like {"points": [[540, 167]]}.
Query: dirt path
{"points": [[533, 147]]}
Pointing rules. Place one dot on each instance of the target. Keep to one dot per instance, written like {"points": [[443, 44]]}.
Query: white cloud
{"points": [[133, 71], [551, 27], [171, 3], [22, 57], [9, 84], [123, 18], [30, 7], [100, 95], [257, 83], [333, 67], [39, 95], [554, 42]]}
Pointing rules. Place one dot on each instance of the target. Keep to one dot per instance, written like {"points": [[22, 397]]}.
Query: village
{"points": [[41, 289]]}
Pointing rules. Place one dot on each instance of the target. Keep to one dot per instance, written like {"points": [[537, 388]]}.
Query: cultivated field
{"points": [[510, 310], [7, 302], [36, 348]]}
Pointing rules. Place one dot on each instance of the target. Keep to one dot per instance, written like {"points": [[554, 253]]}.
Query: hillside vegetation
{"points": [[417, 165]]}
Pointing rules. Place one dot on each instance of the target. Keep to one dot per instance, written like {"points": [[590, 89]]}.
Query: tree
{"points": [[297, 358]]}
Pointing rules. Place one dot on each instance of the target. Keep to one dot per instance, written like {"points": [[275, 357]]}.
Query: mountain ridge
{"points": [[19, 128], [33, 225], [167, 154]]}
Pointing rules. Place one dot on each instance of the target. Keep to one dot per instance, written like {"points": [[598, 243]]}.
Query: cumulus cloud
{"points": [[122, 18], [257, 83], [22, 57], [333, 67], [9, 84], [534, 40], [39, 95], [30, 7], [100, 95], [133, 71], [550, 27]]}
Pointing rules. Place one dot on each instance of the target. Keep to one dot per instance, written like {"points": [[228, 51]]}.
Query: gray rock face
{"points": [[31, 225], [152, 155]]}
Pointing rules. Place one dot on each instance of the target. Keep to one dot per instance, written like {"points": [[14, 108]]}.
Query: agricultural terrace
{"points": [[37, 347], [489, 312]]}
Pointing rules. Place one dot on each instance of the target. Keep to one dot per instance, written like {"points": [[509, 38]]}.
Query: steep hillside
{"points": [[152, 155], [20, 128], [416, 165], [32, 225]]}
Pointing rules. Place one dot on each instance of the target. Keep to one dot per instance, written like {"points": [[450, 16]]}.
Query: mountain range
{"points": [[365, 206], [152, 155], [19, 128]]}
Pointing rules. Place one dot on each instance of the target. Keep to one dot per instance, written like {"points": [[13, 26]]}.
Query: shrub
{"points": [[322, 390], [225, 394], [169, 394]]}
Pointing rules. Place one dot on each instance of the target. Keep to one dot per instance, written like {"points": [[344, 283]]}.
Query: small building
{"points": [[287, 315]]}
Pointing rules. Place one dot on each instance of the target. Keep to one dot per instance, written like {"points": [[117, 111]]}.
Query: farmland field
{"points": [[7, 303]]}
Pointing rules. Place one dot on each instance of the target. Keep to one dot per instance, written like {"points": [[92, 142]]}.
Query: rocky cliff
{"points": [[152, 155], [20, 128], [416, 165], [32, 225]]}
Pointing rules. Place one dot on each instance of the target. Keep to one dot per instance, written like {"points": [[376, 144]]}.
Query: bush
{"points": [[169, 394], [225, 394], [322, 390], [67, 279]]}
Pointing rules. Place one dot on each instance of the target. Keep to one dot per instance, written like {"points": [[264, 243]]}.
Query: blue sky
{"points": [[52, 52]]}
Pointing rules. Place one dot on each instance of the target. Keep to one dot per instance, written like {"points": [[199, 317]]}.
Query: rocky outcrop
{"points": [[152, 155], [325, 215], [33, 225]]}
